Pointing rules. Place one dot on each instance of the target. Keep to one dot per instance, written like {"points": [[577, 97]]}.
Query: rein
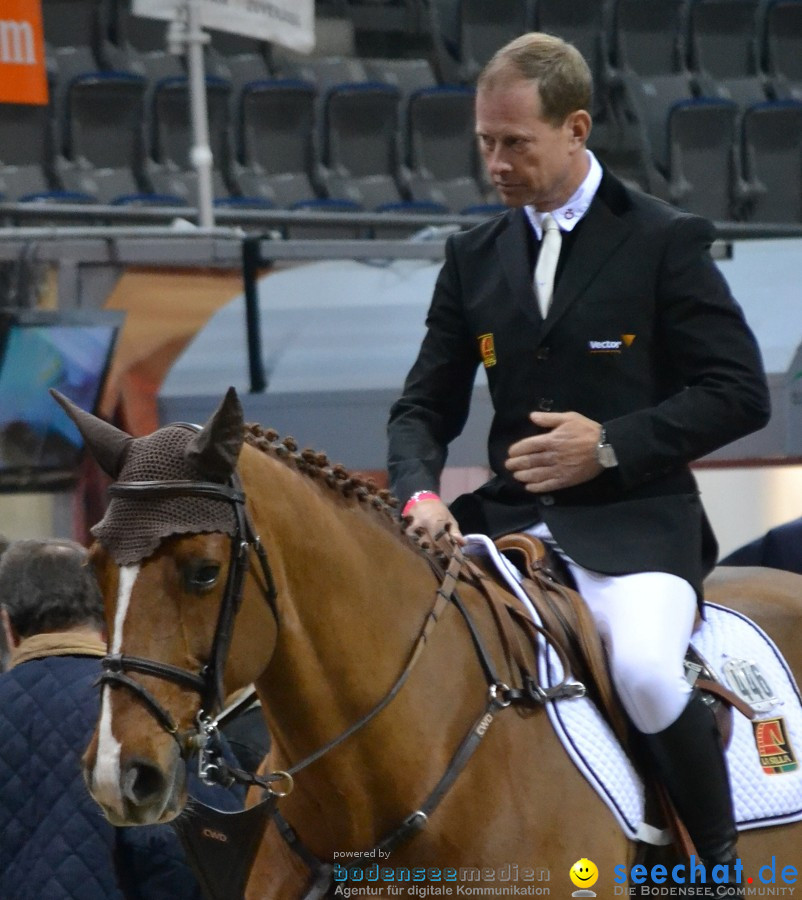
{"points": [[499, 696]]}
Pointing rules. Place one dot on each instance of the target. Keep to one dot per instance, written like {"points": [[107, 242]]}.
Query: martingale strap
{"points": [[499, 697], [221, 846], [323, 872], [444, 595]]}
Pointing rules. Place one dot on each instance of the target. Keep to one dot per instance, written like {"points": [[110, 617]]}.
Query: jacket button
{"points": [[547, 499], [543, 353], [545, 404]]}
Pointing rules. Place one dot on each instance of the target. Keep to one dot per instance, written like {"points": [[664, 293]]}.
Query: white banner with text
{"points": [[290, 23]]}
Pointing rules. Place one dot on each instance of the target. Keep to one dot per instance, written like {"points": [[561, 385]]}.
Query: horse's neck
{"points": [[352, 594], [353, 598]]}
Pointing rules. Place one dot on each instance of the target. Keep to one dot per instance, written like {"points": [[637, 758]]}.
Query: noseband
{"points": [[208, 682]]}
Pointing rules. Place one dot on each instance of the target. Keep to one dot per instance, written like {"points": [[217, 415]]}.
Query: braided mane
{"points": [[316, 465]]}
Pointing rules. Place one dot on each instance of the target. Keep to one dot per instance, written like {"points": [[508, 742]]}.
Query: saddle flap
{"points": [[566, 616]]}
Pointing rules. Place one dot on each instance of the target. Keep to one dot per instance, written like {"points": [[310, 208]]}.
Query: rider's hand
{"points": [[433, 517], [563, 455]]}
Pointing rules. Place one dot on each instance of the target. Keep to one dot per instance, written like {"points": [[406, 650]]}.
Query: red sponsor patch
{"points": [[775, 750]]}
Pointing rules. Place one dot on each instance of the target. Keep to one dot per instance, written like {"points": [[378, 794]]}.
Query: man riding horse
{"points": [[626, 359]]}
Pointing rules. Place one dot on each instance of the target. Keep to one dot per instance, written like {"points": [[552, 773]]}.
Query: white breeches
{"points": [[645, 621]]}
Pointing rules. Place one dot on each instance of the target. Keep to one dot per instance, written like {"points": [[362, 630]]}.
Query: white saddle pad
{"points": [[764, 757]]}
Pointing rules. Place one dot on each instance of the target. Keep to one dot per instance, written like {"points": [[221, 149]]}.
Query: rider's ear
{"points": [[107, 444], [215, 450]]}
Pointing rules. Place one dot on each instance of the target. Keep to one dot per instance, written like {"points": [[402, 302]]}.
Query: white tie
{"points": [[547, 262]]}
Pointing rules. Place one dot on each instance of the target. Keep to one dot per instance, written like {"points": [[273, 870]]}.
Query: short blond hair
{"points": [[558, 69]]}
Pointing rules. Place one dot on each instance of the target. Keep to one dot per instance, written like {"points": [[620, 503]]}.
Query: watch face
{"points": [[606, 456]]}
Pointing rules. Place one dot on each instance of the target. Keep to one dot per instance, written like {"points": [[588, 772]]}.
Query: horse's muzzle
{"points": [[141, 792]]}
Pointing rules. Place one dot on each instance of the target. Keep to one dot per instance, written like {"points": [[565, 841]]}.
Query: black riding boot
{"points": [[691, 765]]}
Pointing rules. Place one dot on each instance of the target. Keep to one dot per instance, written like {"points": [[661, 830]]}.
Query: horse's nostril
{"points": [[142, 782]]}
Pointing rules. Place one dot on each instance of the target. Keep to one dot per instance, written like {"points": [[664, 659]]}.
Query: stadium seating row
{"points": [[697, 101]]}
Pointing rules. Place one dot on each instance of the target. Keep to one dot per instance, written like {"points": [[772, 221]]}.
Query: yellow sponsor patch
{"points": [[487, 349]]}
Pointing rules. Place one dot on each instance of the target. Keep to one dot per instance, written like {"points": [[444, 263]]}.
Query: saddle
{"points": [[569, 625]]}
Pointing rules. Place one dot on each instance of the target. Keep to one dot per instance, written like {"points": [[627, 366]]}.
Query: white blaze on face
{"points": [[106, 777]]}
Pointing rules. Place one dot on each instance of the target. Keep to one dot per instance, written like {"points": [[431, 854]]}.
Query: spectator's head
{"points": [[46, 586]]}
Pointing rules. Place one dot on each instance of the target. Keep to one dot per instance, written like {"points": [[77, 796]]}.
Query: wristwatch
{"points": [[605, 453]]}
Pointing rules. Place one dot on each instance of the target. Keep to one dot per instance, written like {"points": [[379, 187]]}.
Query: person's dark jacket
{"points": [[779, 548], [56, 843], [643, 336]]}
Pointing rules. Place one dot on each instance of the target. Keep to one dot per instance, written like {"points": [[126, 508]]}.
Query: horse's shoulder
{"points": [[755, 587], [754, 575]]}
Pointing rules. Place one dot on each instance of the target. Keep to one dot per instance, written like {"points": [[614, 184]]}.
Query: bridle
{"points": [[208, 682]]}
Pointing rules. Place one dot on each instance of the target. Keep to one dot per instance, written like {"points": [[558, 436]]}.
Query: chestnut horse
{"points": [[333, 606]]}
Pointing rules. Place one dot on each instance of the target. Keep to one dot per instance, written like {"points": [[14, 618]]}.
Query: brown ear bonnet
{"points": [[132, 529]]}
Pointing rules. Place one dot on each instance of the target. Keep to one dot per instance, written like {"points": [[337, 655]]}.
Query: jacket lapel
{"points": [[512, 246], [601, 231]]}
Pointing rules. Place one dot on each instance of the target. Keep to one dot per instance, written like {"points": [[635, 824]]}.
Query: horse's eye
{"points": [[201, 575]]}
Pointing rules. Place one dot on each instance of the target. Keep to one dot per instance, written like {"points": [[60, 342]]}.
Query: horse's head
{"points": [[171, 556]]}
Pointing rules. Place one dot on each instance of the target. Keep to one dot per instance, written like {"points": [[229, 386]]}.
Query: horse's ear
{"points": [[215, 450], [107, 444]]}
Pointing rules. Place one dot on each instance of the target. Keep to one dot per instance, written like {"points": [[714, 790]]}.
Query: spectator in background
{"points": [[56, 843], [779, 548], [5, 650]]}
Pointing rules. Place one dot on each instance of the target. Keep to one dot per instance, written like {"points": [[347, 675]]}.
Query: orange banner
{"points": [[23, 78]]}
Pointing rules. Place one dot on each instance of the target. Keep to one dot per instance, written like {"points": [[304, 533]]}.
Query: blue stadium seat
{"points": [[102, 151], [772, 160], [780, 37], [168, 166], [277, 155], [443, 164]]}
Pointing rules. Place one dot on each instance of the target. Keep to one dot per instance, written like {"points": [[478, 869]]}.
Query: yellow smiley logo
{"points": [[584, 873]]}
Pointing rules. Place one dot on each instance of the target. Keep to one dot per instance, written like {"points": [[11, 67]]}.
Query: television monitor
{"points": [[40, 447]]}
